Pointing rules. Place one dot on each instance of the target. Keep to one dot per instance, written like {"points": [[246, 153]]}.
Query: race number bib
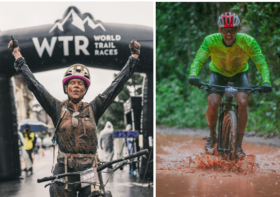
{"points": [[89, 175]]}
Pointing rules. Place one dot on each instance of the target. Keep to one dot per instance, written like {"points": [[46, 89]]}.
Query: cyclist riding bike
{"points": [[229, 51], [76, 121]]}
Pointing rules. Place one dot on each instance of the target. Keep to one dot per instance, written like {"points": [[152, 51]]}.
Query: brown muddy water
{"points": [[184, 170]]}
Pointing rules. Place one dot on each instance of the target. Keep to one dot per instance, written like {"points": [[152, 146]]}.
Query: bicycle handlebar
{"points": [[143, 152], [99, 168], [253, 89], [50, 178]]}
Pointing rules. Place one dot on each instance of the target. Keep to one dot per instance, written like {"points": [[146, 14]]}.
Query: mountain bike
{"points": [[58, 179], [227, 121]]}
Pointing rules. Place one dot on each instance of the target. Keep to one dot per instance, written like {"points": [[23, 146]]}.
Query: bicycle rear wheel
{"points": [[229, 133]]}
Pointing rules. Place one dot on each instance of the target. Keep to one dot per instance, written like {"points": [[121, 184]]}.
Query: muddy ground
{"points": [[183, 168]]}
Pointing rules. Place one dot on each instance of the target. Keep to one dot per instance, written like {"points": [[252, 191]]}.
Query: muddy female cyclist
{"points": [[229, 53], [75, 120]]}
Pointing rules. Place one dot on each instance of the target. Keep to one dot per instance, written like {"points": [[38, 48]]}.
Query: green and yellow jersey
{"points": [[229, 61]]}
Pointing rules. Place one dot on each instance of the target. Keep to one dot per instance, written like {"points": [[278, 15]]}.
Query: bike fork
{"points": [[228, 105], [221, 117]]}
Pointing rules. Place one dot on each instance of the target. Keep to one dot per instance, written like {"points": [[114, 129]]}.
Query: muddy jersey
{"points": [[229, 61], [81, 139]]}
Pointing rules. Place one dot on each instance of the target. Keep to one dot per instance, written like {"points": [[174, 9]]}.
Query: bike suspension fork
{"points": [[236, 111], [221, 117]]}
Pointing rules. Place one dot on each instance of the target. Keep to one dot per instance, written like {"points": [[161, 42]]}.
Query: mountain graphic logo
{"points": [[77, 22]]}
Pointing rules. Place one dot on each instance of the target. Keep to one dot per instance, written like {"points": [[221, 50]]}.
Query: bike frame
{"points": [[227, 106], [224, 107]]}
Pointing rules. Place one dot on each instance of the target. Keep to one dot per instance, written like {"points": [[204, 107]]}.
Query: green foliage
{"points": [[134, 83], [180, 30], [115, 113], [173, 108]]}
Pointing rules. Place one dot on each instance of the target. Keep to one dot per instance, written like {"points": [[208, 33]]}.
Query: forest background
{"points": [[180, 30]]}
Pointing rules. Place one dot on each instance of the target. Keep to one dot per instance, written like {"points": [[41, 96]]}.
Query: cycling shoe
{"points": [[211, 141], [239, 153]]}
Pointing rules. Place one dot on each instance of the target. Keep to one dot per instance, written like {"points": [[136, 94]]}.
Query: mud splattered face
{"points": [[75, 89], [229, 34]]}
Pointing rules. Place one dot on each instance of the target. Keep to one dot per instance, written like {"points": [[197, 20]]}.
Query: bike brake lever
{"points": [[59, 182], [48, 185]]}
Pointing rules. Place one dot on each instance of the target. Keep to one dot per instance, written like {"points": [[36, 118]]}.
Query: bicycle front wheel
{"points": [[229, 133]]}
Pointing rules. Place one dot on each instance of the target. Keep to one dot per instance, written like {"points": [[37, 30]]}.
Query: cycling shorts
{"points": [[238, 80]]}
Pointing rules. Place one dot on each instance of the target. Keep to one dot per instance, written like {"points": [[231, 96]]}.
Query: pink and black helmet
{"points": [[79, 71], [228, 19]]}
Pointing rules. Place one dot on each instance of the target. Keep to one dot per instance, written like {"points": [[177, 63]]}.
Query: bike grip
{"points": [[142, 152], [45, 179]]}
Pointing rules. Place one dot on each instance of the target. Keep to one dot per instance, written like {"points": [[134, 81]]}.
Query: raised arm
{"points": [[258, 58], [46, 100], [104, 100]]}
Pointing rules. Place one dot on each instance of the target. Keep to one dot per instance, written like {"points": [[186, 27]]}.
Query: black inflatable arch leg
{"points": [[9, 149], [147, 122]]}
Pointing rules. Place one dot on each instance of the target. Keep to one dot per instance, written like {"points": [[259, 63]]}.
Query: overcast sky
{"points": [[14, 15]]}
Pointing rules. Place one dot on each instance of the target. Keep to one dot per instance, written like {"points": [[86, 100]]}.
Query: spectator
{"points": [[23, 152], [28, 144], [107, 141]]}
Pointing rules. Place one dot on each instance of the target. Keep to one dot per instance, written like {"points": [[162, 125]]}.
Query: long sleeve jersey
{"points": [[229, 61]]}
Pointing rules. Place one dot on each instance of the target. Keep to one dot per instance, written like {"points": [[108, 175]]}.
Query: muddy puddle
{"points": [[184, 170]]}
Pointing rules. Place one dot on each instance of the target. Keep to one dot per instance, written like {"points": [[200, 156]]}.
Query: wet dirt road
{"points": [[183, 171]]}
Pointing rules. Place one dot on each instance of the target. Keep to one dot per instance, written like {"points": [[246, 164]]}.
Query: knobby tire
{"points": [[229, 133]]}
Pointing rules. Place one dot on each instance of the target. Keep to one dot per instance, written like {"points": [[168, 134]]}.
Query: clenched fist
{"points": [[134, 47], [14, 47]]}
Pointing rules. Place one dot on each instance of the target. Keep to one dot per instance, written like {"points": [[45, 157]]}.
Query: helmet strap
{"points": [[74, 101]]}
